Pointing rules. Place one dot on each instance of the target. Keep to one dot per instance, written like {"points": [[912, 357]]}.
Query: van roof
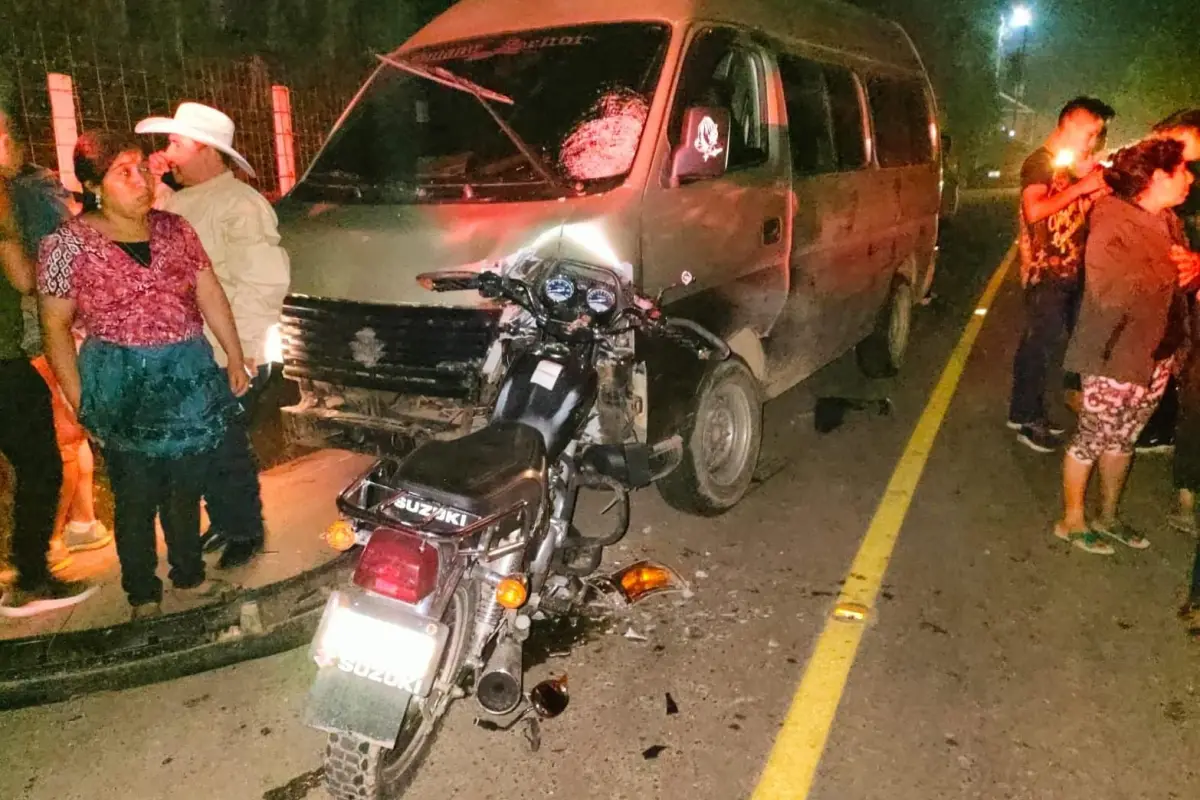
{"points": [[824, 23]]}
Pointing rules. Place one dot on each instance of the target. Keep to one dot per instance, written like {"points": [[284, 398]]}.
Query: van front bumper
{"points": [[309, 426]]}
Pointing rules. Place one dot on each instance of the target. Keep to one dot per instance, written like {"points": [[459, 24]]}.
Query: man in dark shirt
{"points": [[1184, 126], [27, 436], [1055, 201]]}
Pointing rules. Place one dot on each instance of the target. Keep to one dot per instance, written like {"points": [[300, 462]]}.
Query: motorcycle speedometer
{"points": [[601, 300], [559, 289]]}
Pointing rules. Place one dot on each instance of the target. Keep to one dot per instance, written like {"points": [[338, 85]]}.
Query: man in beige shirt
{"points": [[238, 229]]}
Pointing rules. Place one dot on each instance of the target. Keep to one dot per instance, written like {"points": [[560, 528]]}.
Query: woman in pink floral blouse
{"points": [[144, 384]]}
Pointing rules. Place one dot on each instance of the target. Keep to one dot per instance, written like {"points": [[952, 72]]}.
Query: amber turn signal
{"points": [[340, 536], [511, 593], [646, 578]]}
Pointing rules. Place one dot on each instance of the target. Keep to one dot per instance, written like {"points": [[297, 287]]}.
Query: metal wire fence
{"points": [[116, 83]]}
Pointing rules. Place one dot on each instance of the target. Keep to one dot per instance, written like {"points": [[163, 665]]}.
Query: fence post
{"points": [[285, 151], [63, 116]]}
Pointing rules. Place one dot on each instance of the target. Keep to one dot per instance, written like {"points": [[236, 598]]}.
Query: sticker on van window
{"points": [[512, 46], [708, 139]]}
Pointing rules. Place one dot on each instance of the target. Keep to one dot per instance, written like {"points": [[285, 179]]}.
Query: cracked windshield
{"points": [[579, 100]]}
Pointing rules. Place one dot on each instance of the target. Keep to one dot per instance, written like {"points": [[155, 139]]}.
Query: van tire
{"points": [[727, 414], [881, 354]]}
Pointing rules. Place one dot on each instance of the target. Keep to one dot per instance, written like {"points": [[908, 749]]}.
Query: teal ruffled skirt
{"points": [[163, 402]]}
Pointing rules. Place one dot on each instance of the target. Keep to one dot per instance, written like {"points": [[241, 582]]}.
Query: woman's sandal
{"points": [[1087, 541], [1184, 522], [1122, 533]]}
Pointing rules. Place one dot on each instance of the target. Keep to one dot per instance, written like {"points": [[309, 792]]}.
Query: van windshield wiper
{"points": [[447, 78], [353, 182]]}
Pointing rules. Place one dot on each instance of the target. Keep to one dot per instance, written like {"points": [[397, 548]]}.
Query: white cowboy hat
{"points": [[201, 123]]}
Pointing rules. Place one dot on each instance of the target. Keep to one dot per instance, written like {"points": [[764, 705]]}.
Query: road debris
{"points": [[634, 636], [651, 753]]}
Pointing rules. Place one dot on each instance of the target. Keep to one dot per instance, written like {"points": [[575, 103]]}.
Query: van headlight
{"points": [[273, 348]]}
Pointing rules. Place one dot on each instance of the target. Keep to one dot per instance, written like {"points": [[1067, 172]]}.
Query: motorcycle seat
{"points": [[484, 473]]}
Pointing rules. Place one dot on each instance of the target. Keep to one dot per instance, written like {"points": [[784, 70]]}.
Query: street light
{"points": [[1021, 20]]}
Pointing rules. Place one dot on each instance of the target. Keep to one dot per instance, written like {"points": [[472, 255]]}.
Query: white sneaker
{"points": [[51, 596], [81, 536]]}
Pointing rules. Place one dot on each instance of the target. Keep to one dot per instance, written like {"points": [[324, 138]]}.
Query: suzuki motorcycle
{"points": [[467, 543]]}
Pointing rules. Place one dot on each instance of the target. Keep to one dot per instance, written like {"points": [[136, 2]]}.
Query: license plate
{"points": [[379, 643]]}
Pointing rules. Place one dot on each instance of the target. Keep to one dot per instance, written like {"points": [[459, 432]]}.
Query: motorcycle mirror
{"points": [[685, 279], [550, 698]]}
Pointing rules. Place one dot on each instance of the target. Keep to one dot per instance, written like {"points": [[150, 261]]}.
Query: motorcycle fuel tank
{"points": [[550, 393]]}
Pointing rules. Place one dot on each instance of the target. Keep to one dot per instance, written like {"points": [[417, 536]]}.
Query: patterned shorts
{"points": [[1114, 413]]}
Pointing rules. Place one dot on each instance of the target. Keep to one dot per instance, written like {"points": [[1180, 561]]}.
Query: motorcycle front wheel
{"points": [[356, 769]]}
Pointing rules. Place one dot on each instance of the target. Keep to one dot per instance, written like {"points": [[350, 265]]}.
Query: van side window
{"points": [[901, 116], [719, 71], [807, 104], [825, 120], [849, 130]]}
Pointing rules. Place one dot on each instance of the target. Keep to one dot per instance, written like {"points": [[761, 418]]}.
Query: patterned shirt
{"points": [[119, 300], [1053, 246]]}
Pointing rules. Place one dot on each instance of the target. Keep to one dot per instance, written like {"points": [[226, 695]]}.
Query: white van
{"points": [[783, 152]]}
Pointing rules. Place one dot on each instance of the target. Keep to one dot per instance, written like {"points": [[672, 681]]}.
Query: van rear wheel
{"points": [[881, 354], [722, 438]]}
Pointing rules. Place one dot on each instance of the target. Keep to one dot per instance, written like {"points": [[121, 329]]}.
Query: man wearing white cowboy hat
{"points": [[239, 231]]}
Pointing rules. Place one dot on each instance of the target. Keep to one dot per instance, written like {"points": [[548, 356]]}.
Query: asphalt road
{"points": [[998, 663]]}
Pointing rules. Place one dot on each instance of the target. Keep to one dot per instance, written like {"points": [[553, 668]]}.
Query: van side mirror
{"points": [[703, 151]]}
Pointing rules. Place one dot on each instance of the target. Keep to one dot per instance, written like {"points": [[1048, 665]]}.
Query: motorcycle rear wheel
{"points": [[356, 769]]}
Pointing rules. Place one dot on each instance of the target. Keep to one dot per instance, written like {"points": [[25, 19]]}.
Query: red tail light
{"points": [[398, 565]]}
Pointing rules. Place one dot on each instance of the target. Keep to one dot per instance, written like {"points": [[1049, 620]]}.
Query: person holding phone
{"points": [[1056, 200], [239, 231]]}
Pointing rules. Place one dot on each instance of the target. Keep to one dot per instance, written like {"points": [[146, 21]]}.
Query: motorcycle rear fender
{"points": [[343, 702]]}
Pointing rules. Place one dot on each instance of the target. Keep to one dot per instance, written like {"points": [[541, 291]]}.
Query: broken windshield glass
{"points": [[507, 118]]}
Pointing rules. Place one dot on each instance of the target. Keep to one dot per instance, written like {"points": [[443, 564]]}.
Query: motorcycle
{"points": [[468, 542]]}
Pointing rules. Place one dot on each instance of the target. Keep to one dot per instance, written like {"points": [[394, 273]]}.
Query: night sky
{"points": [[1088, 47], [1074, 47]]}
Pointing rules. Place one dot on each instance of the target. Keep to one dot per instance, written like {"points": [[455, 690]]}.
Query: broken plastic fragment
{"points": [[651, 753], [550, 698], [633, 635], [672, 706], [533, 734], [850, 612]]}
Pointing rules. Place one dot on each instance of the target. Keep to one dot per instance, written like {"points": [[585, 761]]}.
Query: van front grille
{"points": [[422, 350]]}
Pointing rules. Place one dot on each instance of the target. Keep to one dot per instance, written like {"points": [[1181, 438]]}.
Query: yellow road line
{"points": [[793, 762]]}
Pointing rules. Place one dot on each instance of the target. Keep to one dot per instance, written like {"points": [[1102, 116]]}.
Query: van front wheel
{"points": [[722, 438], [881, 354]]}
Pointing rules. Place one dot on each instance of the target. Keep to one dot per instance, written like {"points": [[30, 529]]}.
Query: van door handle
{"points": [[772, 230]]}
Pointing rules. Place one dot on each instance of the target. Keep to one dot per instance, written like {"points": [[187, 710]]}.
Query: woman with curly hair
{"points": [[1132, 324]]}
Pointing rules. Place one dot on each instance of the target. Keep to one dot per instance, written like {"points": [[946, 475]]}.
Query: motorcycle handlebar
{"points": [[491, 284], [710, 339]]}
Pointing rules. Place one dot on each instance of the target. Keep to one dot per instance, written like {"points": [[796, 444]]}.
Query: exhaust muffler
{"points": [[499, 687]]}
